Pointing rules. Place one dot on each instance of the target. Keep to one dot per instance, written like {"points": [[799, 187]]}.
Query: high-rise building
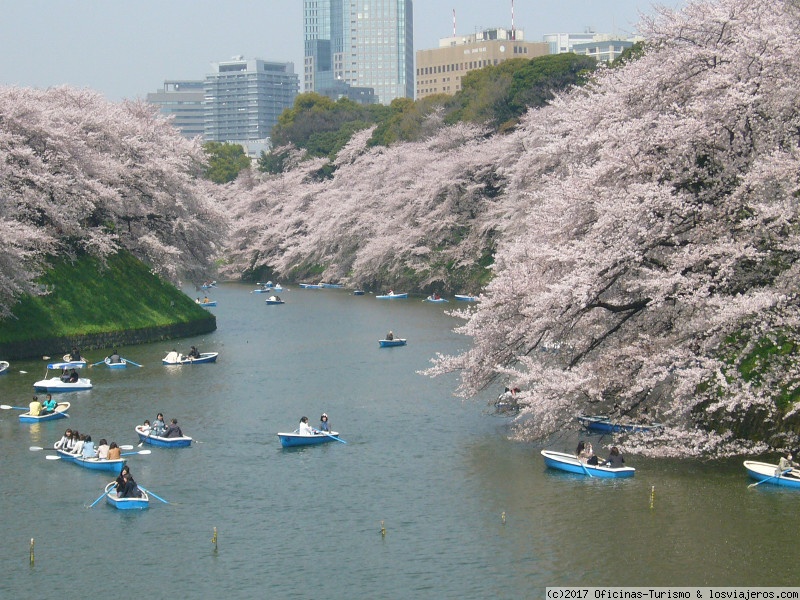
{"points": [[361, 44], [183, 101], [439, 70], [244, 98]]}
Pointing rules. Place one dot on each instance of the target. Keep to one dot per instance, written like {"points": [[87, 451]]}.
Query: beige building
{"points": [[439, 70]]}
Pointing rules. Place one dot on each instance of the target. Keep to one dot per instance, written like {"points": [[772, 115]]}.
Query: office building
{"points": [[602, 46], [439, 70], [183, 101], [362, 44], [244, 98]]}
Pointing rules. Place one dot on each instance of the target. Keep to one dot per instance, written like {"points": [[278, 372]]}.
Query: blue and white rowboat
{"points": [[390, 343], [604, 424], [570, 463], [767, 472], [60, 412], [95, 464], [465, 298], [290, 440], [126, 503], [162, 442], [435, 299], [176, 358], [392, 296]]}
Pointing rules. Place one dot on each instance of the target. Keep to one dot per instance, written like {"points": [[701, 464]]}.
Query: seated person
{"points": [[115, 358], [390, 336], [35, 407], [615, 459], [73, 376], [173, 430], [194, 352], [75, 355], [65, 375], [49, 405]]}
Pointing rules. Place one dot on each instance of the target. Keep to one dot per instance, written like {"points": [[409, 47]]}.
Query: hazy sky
{"points": [[127, 49]]}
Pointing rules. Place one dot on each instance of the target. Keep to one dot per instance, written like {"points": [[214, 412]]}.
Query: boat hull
{"points": [[3, 367], [174, 358], [55, 385], [391, 343], [60, 412], [436, 300], [605, 425], [766, 471], [311, 286], [94, 464], [126, 503], [209, 304], [571, 464], [115, 365], [392, 296], [291, 440], [163, 442], [465, 298], [268, 301]]}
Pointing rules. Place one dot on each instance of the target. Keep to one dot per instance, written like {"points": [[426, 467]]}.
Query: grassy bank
{"points": [[85, 297]]}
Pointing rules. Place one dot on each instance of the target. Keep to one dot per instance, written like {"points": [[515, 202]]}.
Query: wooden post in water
{"points": [[31, 551], [214, 540], [503, 517], [383, 530], [652, 496]]}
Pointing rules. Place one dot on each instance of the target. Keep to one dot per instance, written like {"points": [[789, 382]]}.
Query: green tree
{"points": [[225, 161]]}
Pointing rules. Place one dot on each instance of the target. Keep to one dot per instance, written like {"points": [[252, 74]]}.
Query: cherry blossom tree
{"points": [[80, 174]]}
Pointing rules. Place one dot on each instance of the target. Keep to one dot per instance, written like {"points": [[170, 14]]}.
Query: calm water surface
{"points": [[439, 475]]}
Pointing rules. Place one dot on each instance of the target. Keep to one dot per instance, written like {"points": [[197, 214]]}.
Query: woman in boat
{"points": [[114, 451], [77, 448], [65, 442], [390, 335], [615, 459], [88, 448], [158, 425], [49, 405], [786, 462], [145, 427], [323, 423], [586, 453], [305, 428], [128, 487], [102, 449]]}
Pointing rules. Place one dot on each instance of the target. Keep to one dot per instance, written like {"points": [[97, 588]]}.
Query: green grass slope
{"points": [[85, 298]]}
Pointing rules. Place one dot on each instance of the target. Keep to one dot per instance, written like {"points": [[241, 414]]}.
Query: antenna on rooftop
{"points": [[513, 33], [454, 22]]}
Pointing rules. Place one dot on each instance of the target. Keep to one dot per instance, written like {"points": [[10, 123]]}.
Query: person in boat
{"points": [[390, 335], [65, 442], [75, 355], [114, 451], [206, 300], [615, 459], [126, 486], [49, 405], [73, 376], [88, 448], [115, 358], [323, 423], [173, 430], [158, 425], [145, 427], [102, 449], [305, 428], [77, 448], [35, 407], [786, 462], [65, 375], [585, 453], [194, 352]]}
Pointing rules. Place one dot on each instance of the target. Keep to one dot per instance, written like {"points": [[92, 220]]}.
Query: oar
{"points": [[35, 448], [157, 497], [138, 452], [126, 447], [334, 437], [768, 478], [130, 362], [98, 500], [52, 457], [585, 470], [99, 362], [7, 407]]}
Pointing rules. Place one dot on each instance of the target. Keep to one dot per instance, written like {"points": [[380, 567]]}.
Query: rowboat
{"points": [[115, 365], [208, 304], [331, 285], [435, 299], [465, 298], [3, 367], [769, 473], [68, 358], [290, 440], [126, 503], [95, 464], [55, 384], [571, 464], [604, 424], [162, 442], [392, 296], [311, 286], [390, 343], [60, 412], [274, 300], [208, 285], [358, 292], [262, 290], [176, 358]]}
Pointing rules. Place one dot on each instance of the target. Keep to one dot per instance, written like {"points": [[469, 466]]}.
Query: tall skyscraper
{"points": [[359, 44], [244, 98]]}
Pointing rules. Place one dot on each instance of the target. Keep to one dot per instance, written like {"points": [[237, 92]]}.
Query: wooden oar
{"points": [[156, 496], [138, 452], [7, 407], [768, 478], [130, 362]]}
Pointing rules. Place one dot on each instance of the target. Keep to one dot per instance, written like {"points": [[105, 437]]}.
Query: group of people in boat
{"points": [[69, 376], [81, 444], [37, 408], [160, 428], [586, 455], [306, 429]]}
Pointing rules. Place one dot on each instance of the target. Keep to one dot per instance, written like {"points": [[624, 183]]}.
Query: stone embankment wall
{"points": [[56, 347]]}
